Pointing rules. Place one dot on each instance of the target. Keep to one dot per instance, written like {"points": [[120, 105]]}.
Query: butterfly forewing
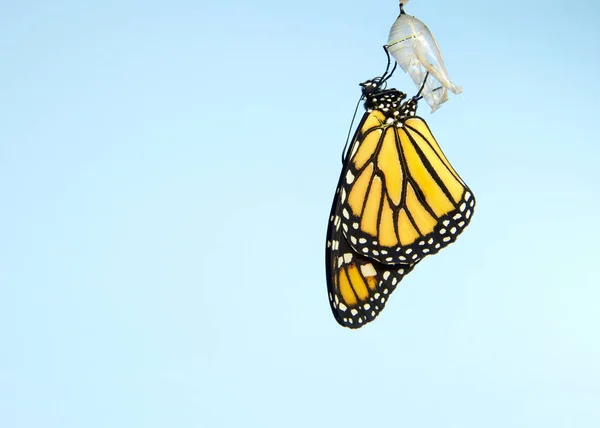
{"points": [[401, 198]]}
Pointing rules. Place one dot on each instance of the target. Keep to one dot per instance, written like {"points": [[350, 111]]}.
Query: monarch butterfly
{"points": [[398, 200]]}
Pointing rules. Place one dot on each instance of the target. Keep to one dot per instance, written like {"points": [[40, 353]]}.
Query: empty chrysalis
{"points": [[417, 52]]}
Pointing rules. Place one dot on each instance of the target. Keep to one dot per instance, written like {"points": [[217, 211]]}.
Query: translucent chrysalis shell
{"points": [[415, 49]]}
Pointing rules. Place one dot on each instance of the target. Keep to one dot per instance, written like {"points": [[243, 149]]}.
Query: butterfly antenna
{"points": [[344, 152]]}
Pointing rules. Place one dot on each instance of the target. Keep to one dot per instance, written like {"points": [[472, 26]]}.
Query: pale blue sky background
{"points": [[166, 174]]}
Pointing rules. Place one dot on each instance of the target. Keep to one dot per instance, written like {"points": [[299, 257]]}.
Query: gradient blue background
{"points": [[166, 174]]}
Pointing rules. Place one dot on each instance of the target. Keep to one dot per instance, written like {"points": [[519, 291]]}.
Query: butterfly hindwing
{"points": [[358, 286]]}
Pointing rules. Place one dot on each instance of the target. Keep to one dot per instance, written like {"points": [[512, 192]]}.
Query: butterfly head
{"points": [[373, 86]]}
